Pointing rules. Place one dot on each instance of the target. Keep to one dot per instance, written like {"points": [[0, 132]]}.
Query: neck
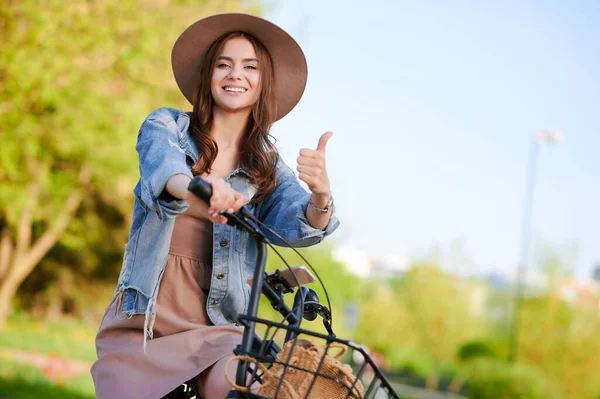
{"points": [[228, 128]]}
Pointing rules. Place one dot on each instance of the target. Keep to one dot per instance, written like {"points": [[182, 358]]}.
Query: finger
{"points": [[308, 179], [214, 214], [323, 141], [215, 198], [219, 219], [240, 201], [211, 215], [221, 192], [216, 217], [216, 201], [314, 162], [309, 170], [230, 199], [308, 153]]}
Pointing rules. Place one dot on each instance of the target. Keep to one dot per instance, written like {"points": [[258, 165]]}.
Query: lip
{"points": [[235, 93]]}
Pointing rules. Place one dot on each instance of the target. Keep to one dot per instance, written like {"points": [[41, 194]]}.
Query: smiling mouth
{"points": [[235, 89]]}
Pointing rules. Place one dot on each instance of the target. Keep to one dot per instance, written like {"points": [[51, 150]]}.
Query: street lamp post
{"points": [[544, 137], [596, 278]]}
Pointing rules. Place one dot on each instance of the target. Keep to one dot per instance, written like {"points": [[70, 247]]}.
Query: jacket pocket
{"points": [[240, 241]]}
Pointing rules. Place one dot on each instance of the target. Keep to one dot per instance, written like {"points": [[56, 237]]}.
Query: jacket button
{"points": [[224, 243], [220, 276]]}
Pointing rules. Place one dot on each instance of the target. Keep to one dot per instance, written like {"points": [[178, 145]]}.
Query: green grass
{"points": [[68, 338], [65, 338], [20, 381]]}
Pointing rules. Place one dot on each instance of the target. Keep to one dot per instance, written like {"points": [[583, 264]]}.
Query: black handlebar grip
{"points": [[201, 188]]}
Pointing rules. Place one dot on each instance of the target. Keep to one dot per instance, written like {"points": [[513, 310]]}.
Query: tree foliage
{"points": [[422, 317], [77, 79]]}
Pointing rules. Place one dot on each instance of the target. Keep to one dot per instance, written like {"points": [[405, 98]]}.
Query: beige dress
{"points": [[185, 342]]}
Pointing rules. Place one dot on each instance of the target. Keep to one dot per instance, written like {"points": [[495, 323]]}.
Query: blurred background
{"points": [[463, 164]]}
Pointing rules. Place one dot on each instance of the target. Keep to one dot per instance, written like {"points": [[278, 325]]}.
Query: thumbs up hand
{"points": [[311, 167]]}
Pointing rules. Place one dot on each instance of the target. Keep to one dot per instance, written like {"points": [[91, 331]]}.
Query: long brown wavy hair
{"points": [[258, 155]]}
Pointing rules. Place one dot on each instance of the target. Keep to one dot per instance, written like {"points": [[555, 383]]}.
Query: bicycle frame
{"points": [[242, 220], [250, 320], [247, 338]]}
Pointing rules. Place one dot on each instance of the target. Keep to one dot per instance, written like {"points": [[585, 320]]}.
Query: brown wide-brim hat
{"points": [[289, 63]]}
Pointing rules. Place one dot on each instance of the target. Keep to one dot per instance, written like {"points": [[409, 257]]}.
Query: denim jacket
{"points": [[165, 148]]}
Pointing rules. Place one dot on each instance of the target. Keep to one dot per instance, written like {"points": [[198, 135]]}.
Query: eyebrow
{"points": [[222, 57]]}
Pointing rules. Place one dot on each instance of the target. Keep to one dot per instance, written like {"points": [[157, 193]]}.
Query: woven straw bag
{"points": [[334, 380]]}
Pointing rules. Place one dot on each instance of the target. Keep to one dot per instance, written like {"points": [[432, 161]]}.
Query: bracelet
{"points": [[321, 210]]}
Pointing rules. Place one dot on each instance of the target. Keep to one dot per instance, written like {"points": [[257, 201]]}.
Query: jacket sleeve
{"points": [[285, 212], [160, 157]]}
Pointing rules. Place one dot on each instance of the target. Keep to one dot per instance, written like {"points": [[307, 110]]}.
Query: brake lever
{"points": [[241, 219]]}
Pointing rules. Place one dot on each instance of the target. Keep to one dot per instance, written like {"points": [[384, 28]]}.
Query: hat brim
{"points": [[289, 63]]}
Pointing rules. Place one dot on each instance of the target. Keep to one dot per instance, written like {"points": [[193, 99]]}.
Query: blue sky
{"points": [[434, 105]]}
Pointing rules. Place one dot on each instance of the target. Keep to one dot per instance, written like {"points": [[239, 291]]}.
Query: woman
{"points": [[183, 279]]}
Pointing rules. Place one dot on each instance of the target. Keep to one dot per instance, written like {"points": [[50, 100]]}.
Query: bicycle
{"points": [[259, 357]]}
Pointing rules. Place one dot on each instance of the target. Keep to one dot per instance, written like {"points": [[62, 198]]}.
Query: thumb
{"points": [[323, 141]]}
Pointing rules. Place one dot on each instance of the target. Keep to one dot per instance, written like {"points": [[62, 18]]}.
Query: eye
{"points": [[222, 65], [251, 67]]}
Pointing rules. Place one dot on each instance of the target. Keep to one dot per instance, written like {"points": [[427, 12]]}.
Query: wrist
{"points": [[324, 207], [177, 185], [320, 200]]}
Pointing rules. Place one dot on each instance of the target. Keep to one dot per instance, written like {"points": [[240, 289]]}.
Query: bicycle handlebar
{"points": [[201, 188]]}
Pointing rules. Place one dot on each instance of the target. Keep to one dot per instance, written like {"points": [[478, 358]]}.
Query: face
{"points": [[235, 84]]}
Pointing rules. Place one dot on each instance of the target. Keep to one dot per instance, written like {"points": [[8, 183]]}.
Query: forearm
{"points": [[177, 185], [316, 219]]}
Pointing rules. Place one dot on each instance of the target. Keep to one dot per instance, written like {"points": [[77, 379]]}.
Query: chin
{"points": [[235, 108]]}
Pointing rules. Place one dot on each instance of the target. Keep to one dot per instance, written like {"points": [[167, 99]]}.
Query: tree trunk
{"points": [[6, 248], [27, 255], [8, 289]]}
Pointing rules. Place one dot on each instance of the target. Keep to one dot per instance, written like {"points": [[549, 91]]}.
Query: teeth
{"points": [[236, 89]]}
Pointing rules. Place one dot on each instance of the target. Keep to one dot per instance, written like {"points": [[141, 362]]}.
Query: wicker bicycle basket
{"points": [[309, 366]]}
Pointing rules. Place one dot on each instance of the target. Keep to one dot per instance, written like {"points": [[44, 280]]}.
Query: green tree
{"points": [[77, 79], [560, 327], [494, 379], [421, 319]]}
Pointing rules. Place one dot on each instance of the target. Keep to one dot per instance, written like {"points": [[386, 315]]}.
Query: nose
{"points": [[235, 73]]}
